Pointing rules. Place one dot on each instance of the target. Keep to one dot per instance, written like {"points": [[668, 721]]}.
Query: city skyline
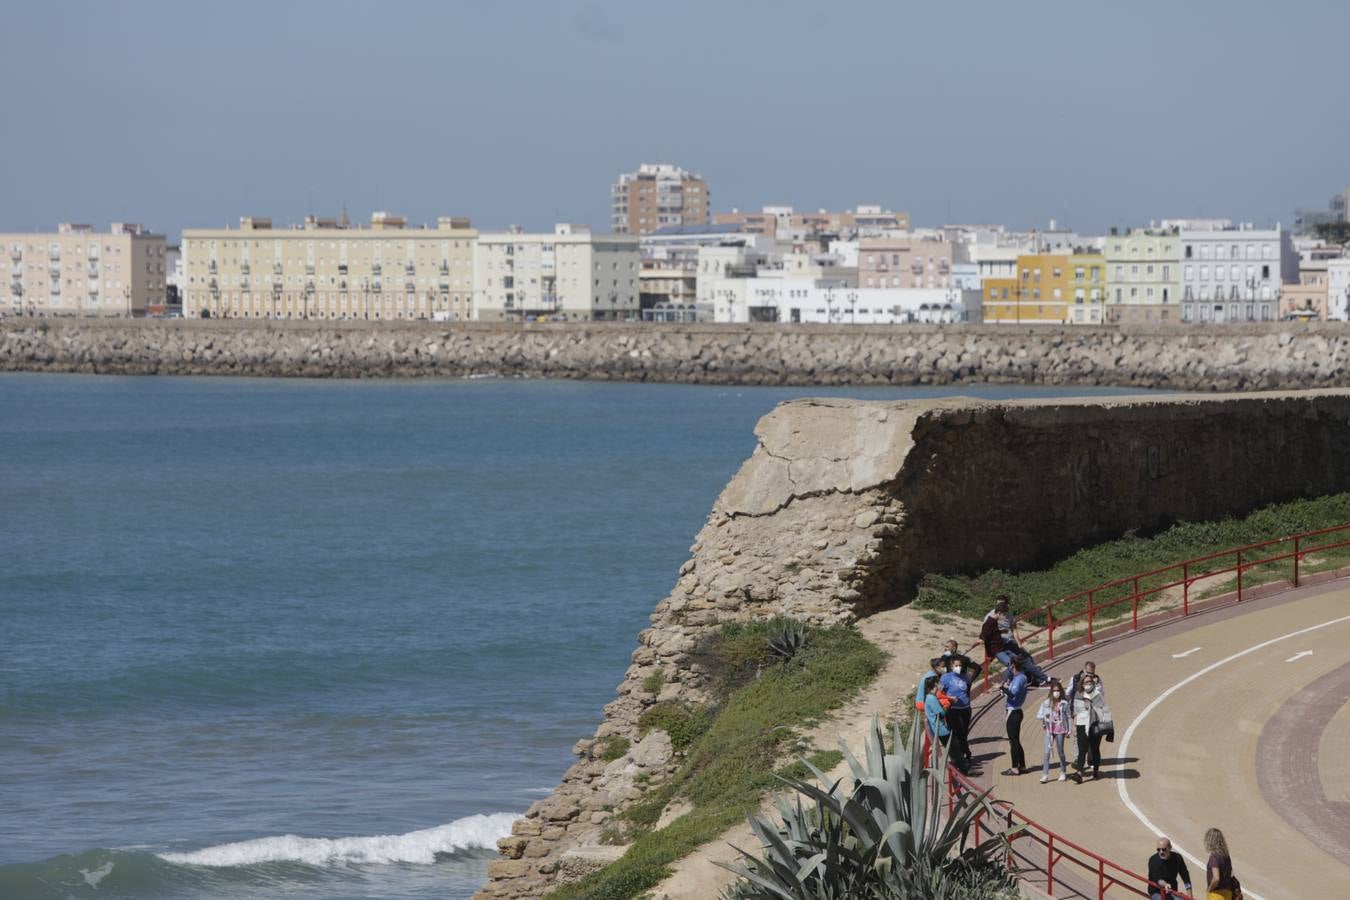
{"points": [[982, 114]]}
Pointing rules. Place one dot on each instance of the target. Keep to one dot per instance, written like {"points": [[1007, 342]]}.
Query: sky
{"points": [[183, 114]]}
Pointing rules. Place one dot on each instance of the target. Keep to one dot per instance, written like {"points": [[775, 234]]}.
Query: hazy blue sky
{"points": [[178, 114]]}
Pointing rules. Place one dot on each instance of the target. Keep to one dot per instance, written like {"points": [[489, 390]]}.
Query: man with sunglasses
{"points": [[1165, 869]]}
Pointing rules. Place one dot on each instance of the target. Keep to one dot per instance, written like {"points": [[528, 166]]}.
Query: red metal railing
{"points": [[1059, 852], [1088, 606], [1088, 871]]}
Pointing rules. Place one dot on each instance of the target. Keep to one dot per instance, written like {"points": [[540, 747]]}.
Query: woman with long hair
{"points": [[1221, 884]]}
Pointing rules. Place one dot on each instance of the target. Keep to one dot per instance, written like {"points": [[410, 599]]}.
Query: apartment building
{"points": [[906, 263], [785, 222], [1233, 273], [1144, 276], [1338, 290], [1306, 299], [326, 269], [569, 274], [76, 271], [657, 196], [1048, 289]]}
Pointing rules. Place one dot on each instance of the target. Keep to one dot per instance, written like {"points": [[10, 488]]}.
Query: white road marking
{"points": [[1124, 791], [1299, 655], [1183, 655]]}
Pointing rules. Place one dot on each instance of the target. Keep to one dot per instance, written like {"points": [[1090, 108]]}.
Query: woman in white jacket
{"points": [[1091, 720]]}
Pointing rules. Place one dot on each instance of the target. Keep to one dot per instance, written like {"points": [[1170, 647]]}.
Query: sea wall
{"points": [[845, 504], [1247, 357]]}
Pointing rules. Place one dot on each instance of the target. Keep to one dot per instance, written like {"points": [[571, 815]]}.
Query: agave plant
{"points": [[885, 836], [787, 641]]}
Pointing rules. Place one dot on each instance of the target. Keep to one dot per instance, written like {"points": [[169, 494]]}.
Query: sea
{"points": [[326, 638]]}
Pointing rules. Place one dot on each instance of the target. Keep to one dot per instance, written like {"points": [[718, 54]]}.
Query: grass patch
{"points": [[652, 683], [972, 595], [684, 722], [613, 747], [729, 766]]}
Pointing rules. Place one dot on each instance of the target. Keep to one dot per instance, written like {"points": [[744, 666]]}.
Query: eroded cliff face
{"points": [[844, 505]]}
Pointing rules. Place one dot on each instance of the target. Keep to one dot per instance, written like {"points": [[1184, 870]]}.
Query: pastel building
{"points": [[76, 271], [1306, 300], [568, 274], [1233, 274], [906, 263], [1048, 289], [1144, 276], [327, 269]]}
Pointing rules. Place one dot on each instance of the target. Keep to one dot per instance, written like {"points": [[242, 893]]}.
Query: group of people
{"points": [[1078, 708]]}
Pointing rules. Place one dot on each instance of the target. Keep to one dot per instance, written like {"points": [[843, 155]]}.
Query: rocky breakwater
{"points": [[1255, 357], [844, 505]]}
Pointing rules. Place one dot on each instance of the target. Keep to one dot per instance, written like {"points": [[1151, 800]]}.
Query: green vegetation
{"points": [[652, 683], [879, 837], [613, 747], [684, 722], [972, 595], [734, 744]]}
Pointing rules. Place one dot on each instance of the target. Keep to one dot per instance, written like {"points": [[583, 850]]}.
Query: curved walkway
{"points": [[1222, 719]]}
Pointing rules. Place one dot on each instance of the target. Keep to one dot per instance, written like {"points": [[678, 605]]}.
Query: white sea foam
{"points": [[94, 876], [470, 833]]}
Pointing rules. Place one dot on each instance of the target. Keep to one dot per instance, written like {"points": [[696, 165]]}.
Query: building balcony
{"points": [[55, 289], [245, 270], [93, 288], [376, 287], [54, 254], [16, 288], [377, 270], [91, 272], [276, 270], [15, 254], [211, 267]]}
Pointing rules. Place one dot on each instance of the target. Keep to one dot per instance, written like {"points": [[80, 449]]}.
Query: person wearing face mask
{"points": [[1056, 718], [1089, 716]]}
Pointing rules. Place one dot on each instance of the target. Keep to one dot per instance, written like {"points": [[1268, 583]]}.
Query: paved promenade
{"points": [[1238, 718]]}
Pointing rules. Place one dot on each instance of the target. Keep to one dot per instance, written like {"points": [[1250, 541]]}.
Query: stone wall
{"points": [[845, 504], [1252, 357]]}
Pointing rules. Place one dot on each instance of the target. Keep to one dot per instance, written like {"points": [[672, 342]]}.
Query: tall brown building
{"points": [[657, 196]]}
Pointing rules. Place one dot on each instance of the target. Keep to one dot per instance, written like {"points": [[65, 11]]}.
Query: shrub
{"points": [[652, 683], [682, 721], [613, 747]]}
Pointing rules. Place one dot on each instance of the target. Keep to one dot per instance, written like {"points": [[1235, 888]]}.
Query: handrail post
{"points": [[1239, 570], [1296, 546], [1185, 590], [1101, 878], [1091, 594], [1050, 631], [1050, 863], [1134, 615]]}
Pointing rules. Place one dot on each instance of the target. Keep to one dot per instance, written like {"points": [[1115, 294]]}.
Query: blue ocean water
{"points": [[325, 638]]}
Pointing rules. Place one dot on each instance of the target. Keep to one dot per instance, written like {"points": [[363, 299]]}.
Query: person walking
{"points": [[1014, 690], [1220, 881], [1089, 715], [1166, 870], [1056, 718], [1089, 668], [957, 689]]}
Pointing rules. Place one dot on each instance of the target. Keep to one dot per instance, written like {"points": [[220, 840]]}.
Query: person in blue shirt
{"points": [[957, 689], [934, 712], [1014, 689], [936, 666]]}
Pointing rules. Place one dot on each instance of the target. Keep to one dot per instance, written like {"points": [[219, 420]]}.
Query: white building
{"points": [[569, 274], [828, 301], [1233, 274], [1338, 290]]}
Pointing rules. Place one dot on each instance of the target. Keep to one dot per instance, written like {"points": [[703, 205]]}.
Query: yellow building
{"points": [[76, 271], [328, 270], [1048, 289]]}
